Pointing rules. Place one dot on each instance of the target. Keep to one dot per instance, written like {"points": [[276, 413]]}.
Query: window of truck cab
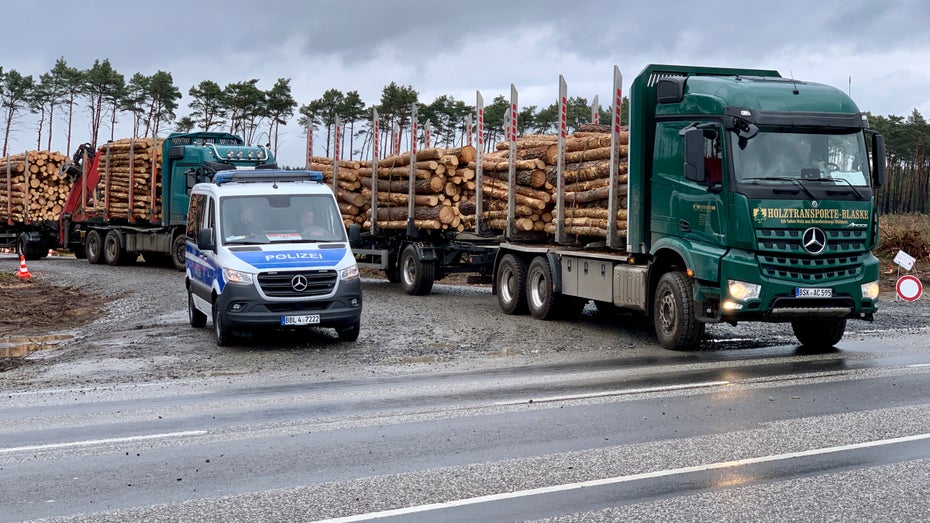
{"points": [[838, 158]]}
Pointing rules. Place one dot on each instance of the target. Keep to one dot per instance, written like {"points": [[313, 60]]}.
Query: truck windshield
{"points": [[790, 158], [280, 218]]}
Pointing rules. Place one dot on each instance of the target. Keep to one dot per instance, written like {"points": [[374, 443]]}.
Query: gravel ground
{"points": [[144, 336]]}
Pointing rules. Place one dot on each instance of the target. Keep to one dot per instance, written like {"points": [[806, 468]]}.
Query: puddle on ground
{"points": [[21, 346]]}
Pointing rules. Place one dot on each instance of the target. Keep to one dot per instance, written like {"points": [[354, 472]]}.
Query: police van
{"points": [[268, 248]]}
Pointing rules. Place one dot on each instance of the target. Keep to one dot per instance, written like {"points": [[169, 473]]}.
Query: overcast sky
{"points": [[877, 50]]}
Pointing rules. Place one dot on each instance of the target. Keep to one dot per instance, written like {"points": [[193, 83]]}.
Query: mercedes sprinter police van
{"points": [[268, 248]]}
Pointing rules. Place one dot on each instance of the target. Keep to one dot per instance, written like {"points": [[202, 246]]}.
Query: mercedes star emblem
{"points": [[814, 240], [299, 283]]}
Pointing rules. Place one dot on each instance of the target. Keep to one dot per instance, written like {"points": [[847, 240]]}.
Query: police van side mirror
{"points": [[355, 235], [205, 239]]}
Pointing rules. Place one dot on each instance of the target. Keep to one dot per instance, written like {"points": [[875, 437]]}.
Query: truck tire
{"points": [[542, 302], [819, 334], [25, 250], [510, 285], [349, 332], [197, 318], [78, 251], [179, 252], [676, 326], [93, 247], [221, 331], [113, 252], [416, 276]]}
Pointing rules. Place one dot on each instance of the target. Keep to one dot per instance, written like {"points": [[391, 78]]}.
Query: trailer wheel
{"points": [[179, 252], [221, 331], [93, 247], [113, 252], [676, 326], [197, 318], [541, 300], [416, 276], [819, 334], [350, 332], [25, 250], [511, 285]]}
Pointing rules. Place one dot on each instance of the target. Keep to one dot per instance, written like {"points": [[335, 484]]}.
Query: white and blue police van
{"points": [[268, 249]]}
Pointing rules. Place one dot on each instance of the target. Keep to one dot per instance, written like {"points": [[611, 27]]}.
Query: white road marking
{"points": [[608, 393], [623, 479], [104, 441]]}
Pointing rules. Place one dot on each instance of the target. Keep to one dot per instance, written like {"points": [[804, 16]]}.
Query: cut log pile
{"points": [[33, 191], [142, 159], [445, 187]]}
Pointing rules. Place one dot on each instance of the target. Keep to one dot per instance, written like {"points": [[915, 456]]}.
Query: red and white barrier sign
{"points": [[909, 288]]}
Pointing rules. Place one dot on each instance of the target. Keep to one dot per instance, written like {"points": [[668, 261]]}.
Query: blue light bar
{"points": [[266, 175]]}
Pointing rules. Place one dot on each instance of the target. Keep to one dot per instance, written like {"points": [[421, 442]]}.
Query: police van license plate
{"points": [[804, 292], [304, 319]]}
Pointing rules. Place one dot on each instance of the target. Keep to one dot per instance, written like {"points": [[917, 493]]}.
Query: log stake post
{"points": [[512, 177], [411, 228], [152, 198], [9, 191], [132, 175], [375, 144], [336, 146], [560, 163], [106, 183], [612, 237], [479, 167], [26, 189]]}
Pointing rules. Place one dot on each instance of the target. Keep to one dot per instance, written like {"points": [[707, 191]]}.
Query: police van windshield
{"points": [[280, 218], [782, 157]]}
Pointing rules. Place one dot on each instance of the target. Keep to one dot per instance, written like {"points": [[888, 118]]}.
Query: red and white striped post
{"points": [[595, 111], [560, 163], [479, 168], [337, 144], [612, 237], [309, 145], [375, 150]]}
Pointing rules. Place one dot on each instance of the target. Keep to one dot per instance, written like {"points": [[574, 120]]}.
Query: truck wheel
{"points": [[676, 326], [349, 333], [179, 252], [93, 247], [416, 276], [197, 318], [25, 250], [541, 300], [819, 334], [113, 252], [77, 250], [511, 285], [221, 331]]}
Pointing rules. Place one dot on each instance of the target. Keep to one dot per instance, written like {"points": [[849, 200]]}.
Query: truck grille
{"points": [[279, 284], [782, 256]]}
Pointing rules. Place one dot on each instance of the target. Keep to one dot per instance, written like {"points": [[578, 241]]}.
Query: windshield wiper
{"points": [[834, 180], [784, 179]]}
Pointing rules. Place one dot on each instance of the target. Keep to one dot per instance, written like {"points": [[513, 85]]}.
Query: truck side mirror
{"points": [[205, 239], [355, 235], [879, 161], [694, 155]]}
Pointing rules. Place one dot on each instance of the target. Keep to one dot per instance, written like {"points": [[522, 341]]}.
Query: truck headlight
{"points": [[742, 291], [237, 277], [869, 290], [349, 274]]}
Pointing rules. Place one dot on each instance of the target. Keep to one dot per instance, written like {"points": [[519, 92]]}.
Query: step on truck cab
{"points": [[268, 249]]}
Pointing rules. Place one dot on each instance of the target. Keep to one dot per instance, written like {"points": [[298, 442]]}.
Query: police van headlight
{"points": [[349, 274], [237, 277]]}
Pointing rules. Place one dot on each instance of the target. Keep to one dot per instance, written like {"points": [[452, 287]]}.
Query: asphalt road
{"points": [[771, 434]]}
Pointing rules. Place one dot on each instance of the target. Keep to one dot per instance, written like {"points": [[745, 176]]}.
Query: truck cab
{"points": [[760, 187], [267, 248]]}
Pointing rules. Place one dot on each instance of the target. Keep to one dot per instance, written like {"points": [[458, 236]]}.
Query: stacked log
{"points": [[445, 190], [136, 161], [33, 191]]}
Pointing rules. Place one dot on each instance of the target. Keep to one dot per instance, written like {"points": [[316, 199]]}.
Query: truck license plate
{"points": [[804, 292], [304, 319]]}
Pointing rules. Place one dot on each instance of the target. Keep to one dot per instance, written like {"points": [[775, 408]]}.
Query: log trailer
{"points": [[720, 223], [105, 222]]}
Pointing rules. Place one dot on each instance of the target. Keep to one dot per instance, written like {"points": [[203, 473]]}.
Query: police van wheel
{"points": [[676, 326], [351, 332], [221, 331], [197, 318]]}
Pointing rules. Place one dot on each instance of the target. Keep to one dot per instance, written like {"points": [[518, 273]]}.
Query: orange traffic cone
{"points": [[23, 271]]}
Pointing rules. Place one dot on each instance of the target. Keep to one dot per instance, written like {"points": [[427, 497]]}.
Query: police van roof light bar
{"points": [[267, 175]]}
